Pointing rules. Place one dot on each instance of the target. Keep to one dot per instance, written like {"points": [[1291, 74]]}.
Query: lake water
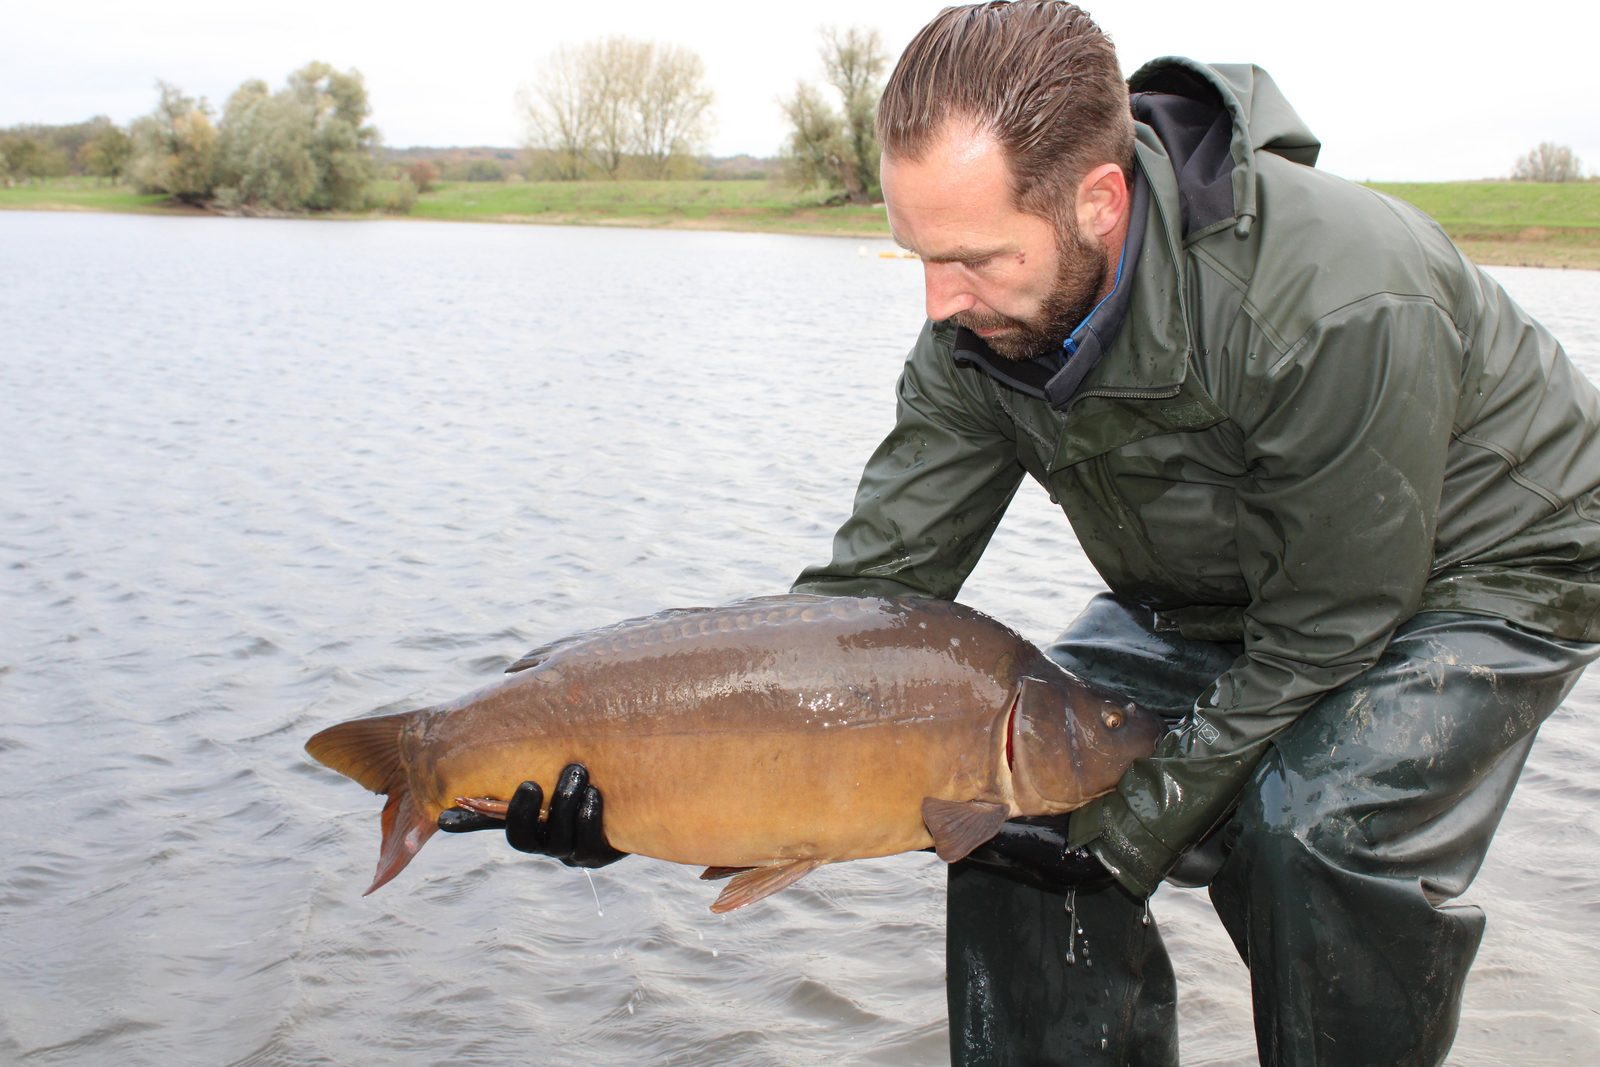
{"points": [[257, 477]]}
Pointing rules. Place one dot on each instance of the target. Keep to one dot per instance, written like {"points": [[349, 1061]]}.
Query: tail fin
{"points": [[368, 750]]}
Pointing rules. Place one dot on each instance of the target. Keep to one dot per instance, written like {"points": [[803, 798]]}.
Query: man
{"points": [[1345, 495]]}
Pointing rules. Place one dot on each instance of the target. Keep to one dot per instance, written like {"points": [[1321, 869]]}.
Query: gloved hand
{"points": [[1034, 849], [571, 834]]}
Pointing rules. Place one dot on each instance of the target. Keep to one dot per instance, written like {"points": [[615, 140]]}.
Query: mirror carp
{"points": [[763, 738]]}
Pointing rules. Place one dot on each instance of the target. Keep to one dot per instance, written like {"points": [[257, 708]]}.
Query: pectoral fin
{"points": [[758, 882], [958, 827]]}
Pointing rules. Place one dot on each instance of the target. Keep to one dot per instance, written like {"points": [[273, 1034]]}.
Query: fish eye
{"points": [[1111, 717]]}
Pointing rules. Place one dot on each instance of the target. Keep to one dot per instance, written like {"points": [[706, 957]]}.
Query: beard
{"points": [[1084, 265]]}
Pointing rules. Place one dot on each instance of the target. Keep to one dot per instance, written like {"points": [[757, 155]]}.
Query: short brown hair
{"points": [[1038, 75]]}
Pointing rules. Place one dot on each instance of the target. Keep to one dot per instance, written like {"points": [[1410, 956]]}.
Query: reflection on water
{"points": [[260, 477]]}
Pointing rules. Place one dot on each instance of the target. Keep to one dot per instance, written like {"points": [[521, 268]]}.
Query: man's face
{"points": [[1007, 276]]}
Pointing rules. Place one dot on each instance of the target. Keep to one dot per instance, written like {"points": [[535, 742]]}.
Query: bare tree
{"points": [[616, 102], [674, 109], [837, 148], [559, 113], [1548, 163], [613, 72]]}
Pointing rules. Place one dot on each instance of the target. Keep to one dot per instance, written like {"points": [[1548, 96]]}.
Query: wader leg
{"points": [[1014, 997], [1025, 987], [1370, 811]]}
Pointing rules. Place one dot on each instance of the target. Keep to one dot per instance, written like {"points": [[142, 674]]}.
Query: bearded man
{"points": [[1341, 489]]}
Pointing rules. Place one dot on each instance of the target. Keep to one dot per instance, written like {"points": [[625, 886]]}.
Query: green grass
{"points": [[746, 205], [78, 194], [1503, 205], [1515, 223], [1494, 222]]}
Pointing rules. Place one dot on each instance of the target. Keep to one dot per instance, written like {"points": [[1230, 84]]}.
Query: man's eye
{"points": [[979, 264]]}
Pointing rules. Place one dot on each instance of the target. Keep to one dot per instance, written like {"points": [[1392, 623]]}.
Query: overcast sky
{"points": [[1403, 90]]}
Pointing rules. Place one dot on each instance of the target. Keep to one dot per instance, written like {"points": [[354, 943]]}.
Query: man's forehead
{"points": [[954, 201]]}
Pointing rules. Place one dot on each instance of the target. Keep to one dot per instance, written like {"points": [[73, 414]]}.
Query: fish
{"points": [[763, 738]]}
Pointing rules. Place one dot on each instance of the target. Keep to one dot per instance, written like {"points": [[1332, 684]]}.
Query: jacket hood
{"points": [[1212, 120]]}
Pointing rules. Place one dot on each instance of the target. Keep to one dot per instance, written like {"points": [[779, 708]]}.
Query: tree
{"points": [[1548, 163], [175, 148], [265, 155], [560, 114], [342, 143], [674, 109], [106, 153], [816, 136], [305, 147], [608, 105], [612, 69], [837, 148], [19, 154], [31, 152]]}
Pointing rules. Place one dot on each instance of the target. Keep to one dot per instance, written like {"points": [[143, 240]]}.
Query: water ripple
{"points": [[273, 475]]}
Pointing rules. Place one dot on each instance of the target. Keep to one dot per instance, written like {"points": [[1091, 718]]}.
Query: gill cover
{"points": [[1071, 743]]}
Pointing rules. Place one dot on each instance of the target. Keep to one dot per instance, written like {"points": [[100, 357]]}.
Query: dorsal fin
{"points": [[958, 826], [759, 882]]}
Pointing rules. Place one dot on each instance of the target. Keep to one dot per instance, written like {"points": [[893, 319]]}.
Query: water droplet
{"points": [[1072, 926]]}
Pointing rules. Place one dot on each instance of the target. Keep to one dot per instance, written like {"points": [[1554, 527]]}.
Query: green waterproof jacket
{"points": [[1309, 419]]}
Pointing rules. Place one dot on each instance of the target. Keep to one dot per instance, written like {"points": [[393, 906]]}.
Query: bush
{"points": [[174, 148], [422, 174], [404, 197], [306, 147]]}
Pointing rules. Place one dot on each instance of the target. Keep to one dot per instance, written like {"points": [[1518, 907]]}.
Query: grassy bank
{"points": [[1516, 223], [720, 205], [81, 194]]}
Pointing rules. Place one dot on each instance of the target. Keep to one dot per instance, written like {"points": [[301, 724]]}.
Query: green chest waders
{"points": [[1369, 812]]}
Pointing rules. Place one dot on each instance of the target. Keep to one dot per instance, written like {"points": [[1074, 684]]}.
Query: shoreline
{"points": [[1490, 238]]}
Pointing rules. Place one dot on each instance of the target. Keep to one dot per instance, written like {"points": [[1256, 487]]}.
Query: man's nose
{"points": [[946, 290]]}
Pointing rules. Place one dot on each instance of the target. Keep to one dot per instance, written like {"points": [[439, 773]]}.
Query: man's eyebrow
{"points": [[959, 254]]}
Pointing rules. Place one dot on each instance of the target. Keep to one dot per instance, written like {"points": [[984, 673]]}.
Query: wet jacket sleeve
{"points": [[933, 492], [1345, 436]]}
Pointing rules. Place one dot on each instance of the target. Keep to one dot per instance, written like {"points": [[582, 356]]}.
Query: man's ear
{"points": [[1103, 201]]}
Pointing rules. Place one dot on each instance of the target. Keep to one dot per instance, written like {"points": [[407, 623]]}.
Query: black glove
{"points": [[1034, 850], [572, 833]]}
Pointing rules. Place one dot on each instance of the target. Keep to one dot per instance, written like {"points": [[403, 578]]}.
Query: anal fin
{"points": [[759, 882], [958, 826]]}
